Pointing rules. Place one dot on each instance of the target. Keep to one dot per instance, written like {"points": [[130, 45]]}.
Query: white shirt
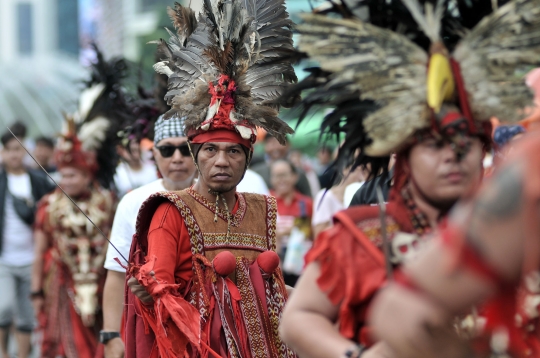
{"points": [[252, 183], [325, 206], [124, 223], [18, 244], [127, 179], [350, 190]]}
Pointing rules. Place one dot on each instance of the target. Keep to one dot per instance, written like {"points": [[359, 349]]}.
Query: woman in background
{"points": [[294, 217]]}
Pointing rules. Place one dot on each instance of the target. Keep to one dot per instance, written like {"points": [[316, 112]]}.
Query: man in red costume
{"points": [[68, 274], [346, 266], [490, 248], [425, 107], [206, 255]]}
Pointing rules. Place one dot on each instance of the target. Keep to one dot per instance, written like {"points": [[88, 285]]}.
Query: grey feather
{"points": [[494, 57], [381, 65]]}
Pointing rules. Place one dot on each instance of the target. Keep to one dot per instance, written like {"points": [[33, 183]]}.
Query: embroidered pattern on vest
{"points": [[251, 311], [236, 219], [372, 229]]}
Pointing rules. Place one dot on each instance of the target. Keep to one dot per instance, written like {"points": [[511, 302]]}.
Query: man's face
{"points": [[74, 181], [274, 150], [13, 155], [221, 165], [177, 168], [43, 154], [437, 173]]}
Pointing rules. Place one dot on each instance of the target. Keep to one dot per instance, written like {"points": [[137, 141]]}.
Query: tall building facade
{"points": [[38, 62]]}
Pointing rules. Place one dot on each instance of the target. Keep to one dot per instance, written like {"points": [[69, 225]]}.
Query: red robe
{"points": [[198, 309], [353, 264], [73, 263]]}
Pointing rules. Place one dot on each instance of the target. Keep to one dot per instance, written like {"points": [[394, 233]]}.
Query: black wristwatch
{"points": [[105, 337]]}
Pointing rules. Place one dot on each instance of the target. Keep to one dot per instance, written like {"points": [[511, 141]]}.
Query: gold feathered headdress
{"points": [[227, 68], [386, 88]]}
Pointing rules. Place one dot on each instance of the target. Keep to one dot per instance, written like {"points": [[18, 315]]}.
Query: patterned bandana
{"points": [[168, 128]]}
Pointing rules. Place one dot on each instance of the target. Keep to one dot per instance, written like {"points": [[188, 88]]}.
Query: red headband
{"points": [[219, 135]]}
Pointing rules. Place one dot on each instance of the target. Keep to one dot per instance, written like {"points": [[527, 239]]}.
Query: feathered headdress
{"points": [[385, 88], [92, 131], [227, 68]]}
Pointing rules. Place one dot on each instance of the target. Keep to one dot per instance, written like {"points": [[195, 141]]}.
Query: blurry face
{"points": [[282, 178], [131, 155], [43, 154], [324, 156], [439, 176], [296, 158], [74, 181], [13, 155], [177, 169], [221, 165], [274, 150]]}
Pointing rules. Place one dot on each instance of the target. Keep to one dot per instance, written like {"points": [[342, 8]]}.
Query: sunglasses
{"points": [[167, 151]]}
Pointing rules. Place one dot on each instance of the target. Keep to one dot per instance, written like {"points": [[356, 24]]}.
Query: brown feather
{"points": [[184, 20]]}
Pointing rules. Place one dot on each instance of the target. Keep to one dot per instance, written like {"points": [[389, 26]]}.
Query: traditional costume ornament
{"points": [[90, 140], [387, 90], [227, 69]]}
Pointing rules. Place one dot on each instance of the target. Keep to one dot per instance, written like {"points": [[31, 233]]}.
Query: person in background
{"points": [[68, 274], [367, 194], [329, 202], [20, 189], [175, 164], [294, 209], [505, 138], [132, 172], [252, 183], [274, 151], [44, 152], [325, 173], [296, 157]]}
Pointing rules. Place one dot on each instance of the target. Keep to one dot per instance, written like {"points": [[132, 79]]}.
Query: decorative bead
{"points": [[268, 261], [224, 263]]}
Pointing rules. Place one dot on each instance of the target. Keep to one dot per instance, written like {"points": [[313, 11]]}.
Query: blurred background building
{"points": [[45, 49]]}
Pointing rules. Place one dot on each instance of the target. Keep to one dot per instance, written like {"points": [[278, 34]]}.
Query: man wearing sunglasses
{"points": [[174, 163]]}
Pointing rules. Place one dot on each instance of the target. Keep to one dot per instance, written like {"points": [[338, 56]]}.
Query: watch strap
{"points": [[105, 337]]}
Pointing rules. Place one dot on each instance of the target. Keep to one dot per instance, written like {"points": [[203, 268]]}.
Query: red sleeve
{"points": [[169, 242], [352, 271], [174, 321]]}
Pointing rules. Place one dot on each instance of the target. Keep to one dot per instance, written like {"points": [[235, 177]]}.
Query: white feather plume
{"points": [[93, 133]]}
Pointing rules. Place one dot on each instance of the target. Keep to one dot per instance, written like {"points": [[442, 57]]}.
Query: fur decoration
{"points": [[244, 42]]}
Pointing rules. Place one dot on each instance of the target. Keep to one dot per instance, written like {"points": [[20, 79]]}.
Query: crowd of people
{"points": [[152, 227]]}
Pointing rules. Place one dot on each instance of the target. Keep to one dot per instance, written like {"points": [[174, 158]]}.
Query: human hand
{"points": [[139, 291], [379, 350], [409, 323], [115, 348]]}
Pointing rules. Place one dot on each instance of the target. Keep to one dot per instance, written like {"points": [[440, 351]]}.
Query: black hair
{"points": [[326, 148], [6, 137], [286, 161], [18, 128], [45, 141]]}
